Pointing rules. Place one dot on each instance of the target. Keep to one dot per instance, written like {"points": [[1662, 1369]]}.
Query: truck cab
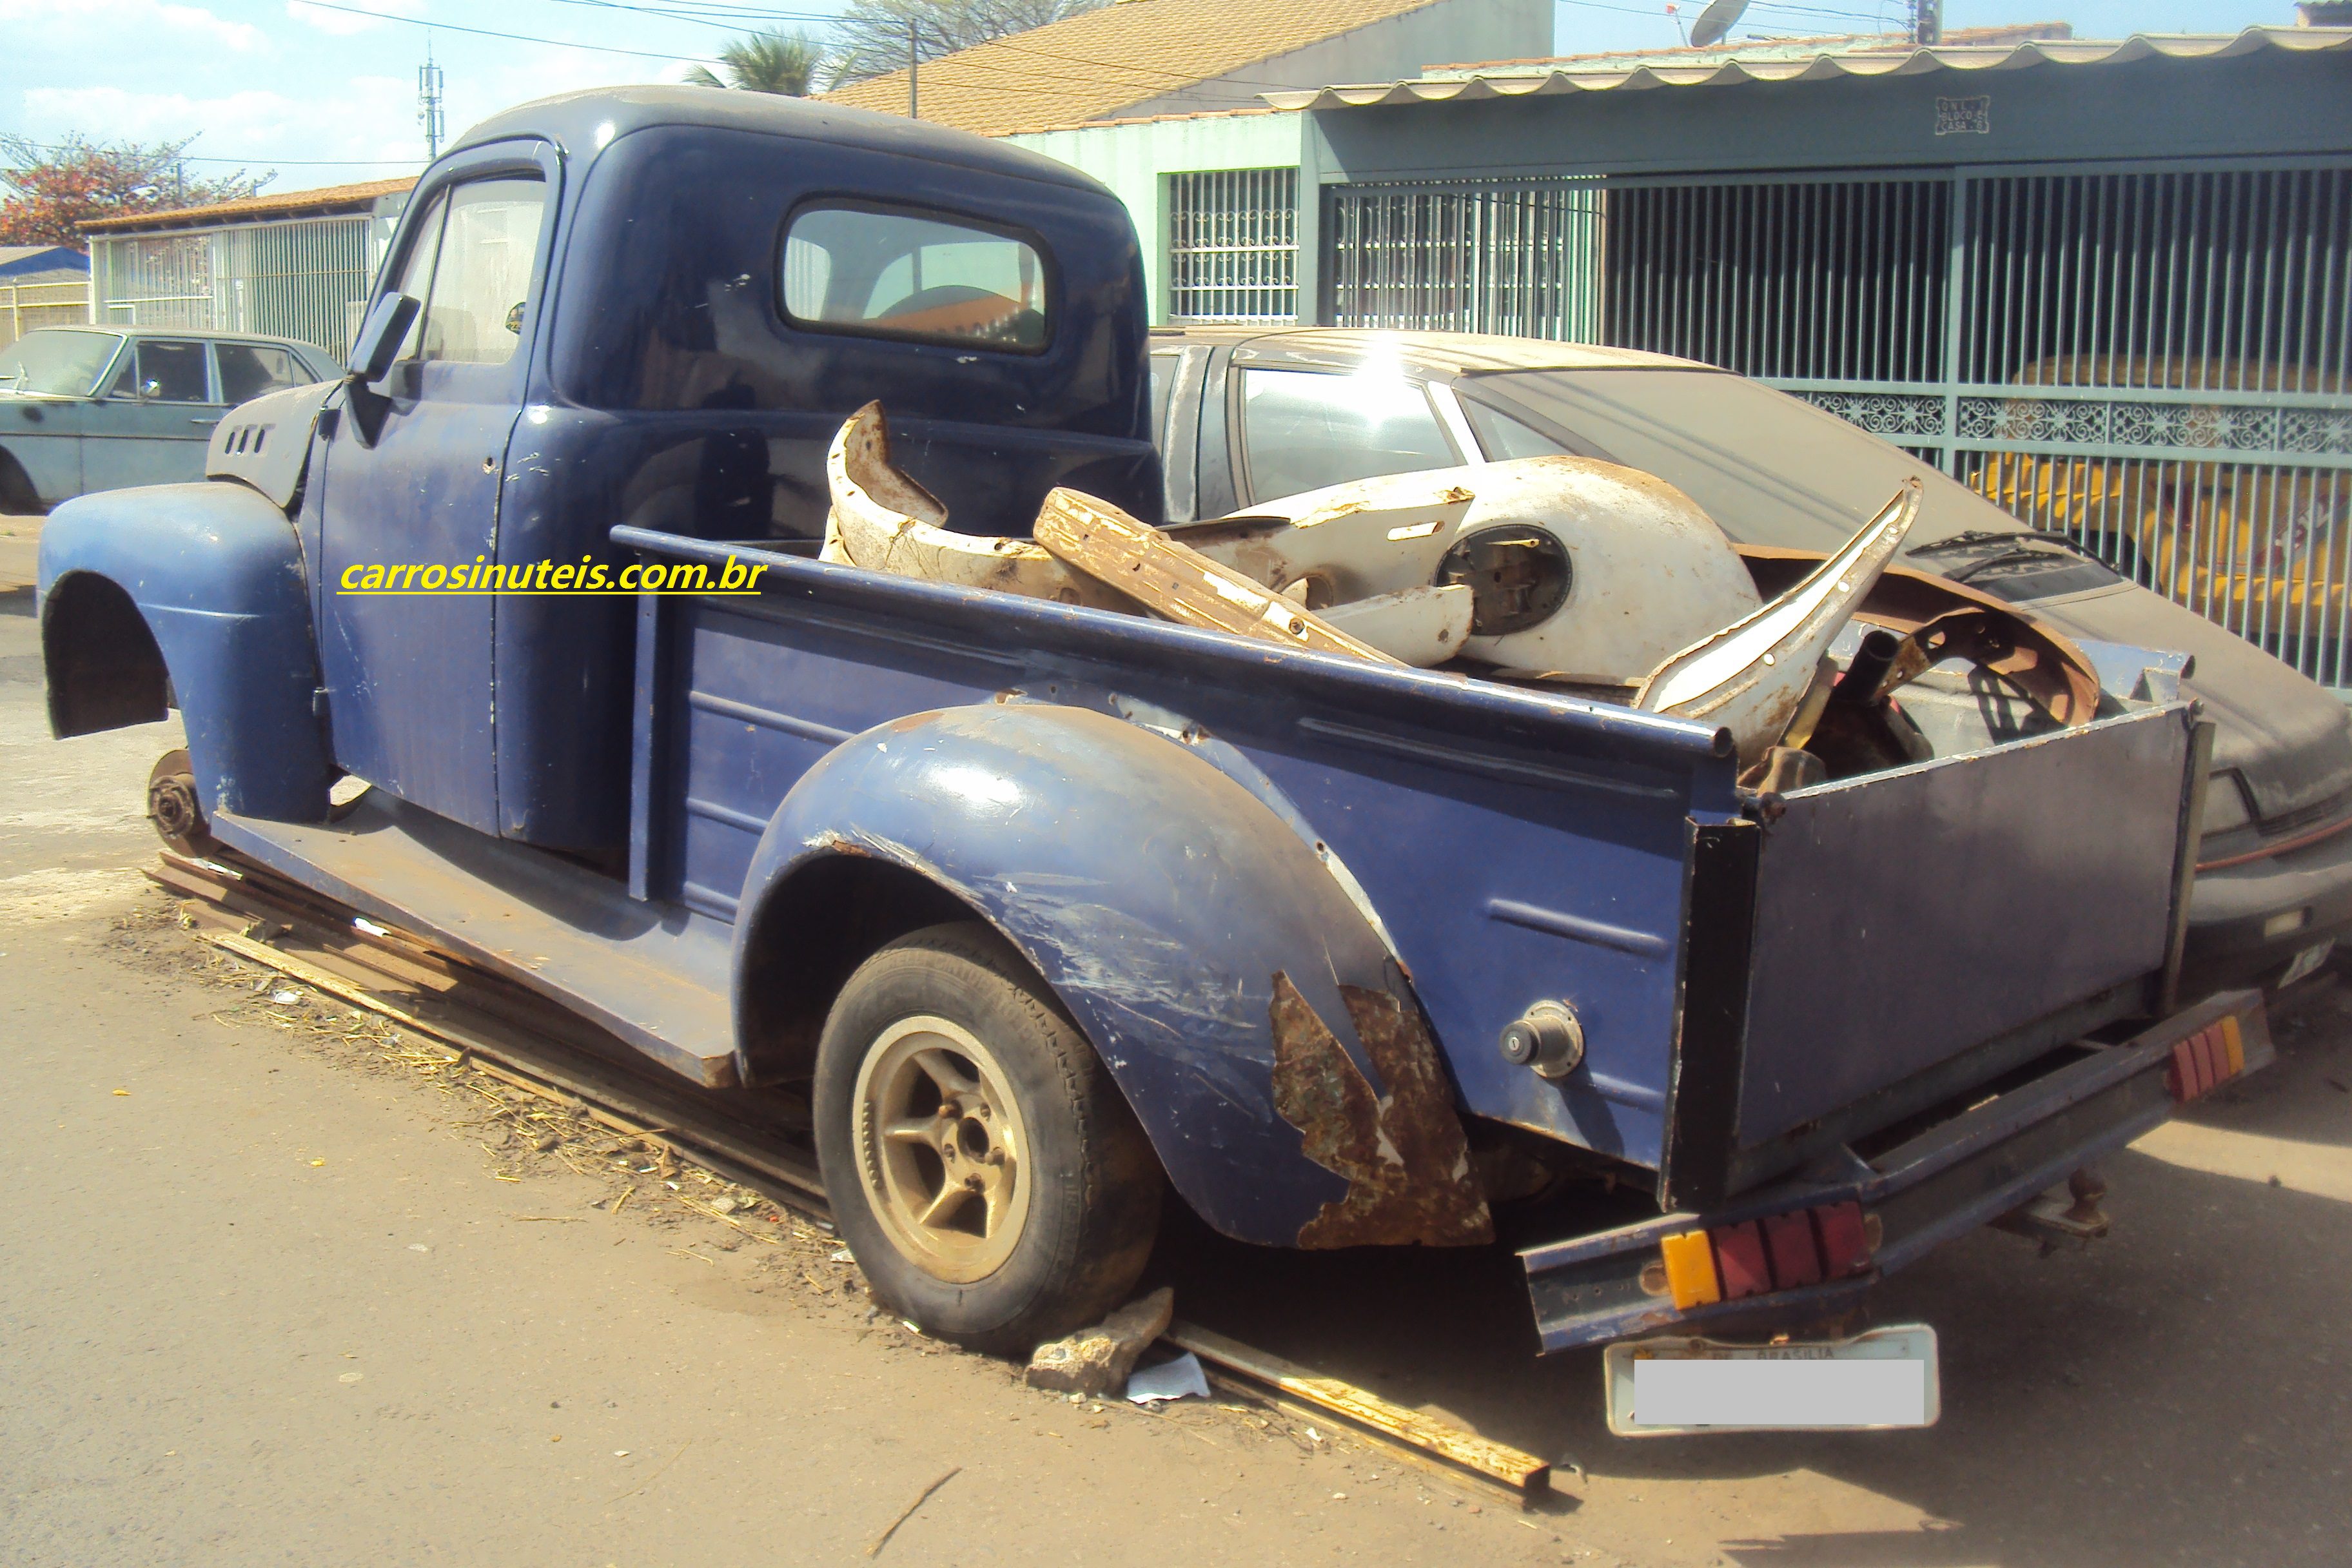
{"points": [[653, 309]]}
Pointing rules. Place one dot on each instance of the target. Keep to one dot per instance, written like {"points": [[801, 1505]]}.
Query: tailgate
{"points": [[1891, 941]]}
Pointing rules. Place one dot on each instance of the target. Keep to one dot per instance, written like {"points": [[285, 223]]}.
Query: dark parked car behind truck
{"points": [[1038, 910]]}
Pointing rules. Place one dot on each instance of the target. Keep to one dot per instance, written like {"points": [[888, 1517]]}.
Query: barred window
{"points": [[1233, 246]]}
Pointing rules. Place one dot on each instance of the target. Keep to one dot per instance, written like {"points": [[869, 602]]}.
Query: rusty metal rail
{"points": [[758, 1139]]}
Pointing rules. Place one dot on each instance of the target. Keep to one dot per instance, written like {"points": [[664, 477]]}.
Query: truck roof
{"points": [[581, 123]]}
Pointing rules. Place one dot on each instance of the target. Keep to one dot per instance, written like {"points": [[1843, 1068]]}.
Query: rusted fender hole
{"points": [[1406, 1160]]}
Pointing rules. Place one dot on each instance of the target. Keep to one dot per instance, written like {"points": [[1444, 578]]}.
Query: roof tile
{"points": [[251, 209], [1090, 66]]}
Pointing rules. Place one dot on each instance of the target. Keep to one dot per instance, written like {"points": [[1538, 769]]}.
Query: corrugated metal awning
{"points": [[1506, 82]]}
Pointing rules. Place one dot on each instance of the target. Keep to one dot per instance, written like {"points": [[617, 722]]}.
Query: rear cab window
{"points": [[1302, 430], [927, 278]]}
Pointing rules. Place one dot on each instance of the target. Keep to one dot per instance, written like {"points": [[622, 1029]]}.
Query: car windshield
{"points": [[57, 361], [1769, 469]]}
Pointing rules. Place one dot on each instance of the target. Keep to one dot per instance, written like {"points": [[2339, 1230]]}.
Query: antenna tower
{"points": [[428, 103]]}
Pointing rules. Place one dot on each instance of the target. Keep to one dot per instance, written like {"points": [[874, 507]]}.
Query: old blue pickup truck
{"points": [[1046, 909]]}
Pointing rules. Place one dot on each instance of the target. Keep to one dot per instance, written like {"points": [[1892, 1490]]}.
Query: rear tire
{"points": [[983, 1168]]}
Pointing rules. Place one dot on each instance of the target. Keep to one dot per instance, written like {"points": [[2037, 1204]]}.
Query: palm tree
{"points": [[765, 62]]}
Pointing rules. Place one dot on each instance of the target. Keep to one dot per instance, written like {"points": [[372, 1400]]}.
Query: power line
{"points": [[718, 16], [1660, 14], [511, 37]]}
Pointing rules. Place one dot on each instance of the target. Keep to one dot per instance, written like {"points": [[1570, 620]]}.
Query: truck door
{"points": [[413, 480]]}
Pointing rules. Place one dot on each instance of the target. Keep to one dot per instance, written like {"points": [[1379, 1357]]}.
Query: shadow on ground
{"points": [[2175, 1393]]}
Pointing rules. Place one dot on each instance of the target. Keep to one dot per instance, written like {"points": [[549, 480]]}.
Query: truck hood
{"points": [[2284, 735]]}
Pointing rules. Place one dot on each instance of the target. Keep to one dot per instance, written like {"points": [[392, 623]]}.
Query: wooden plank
{"points": [[318, 979], [487, 1040], [1177, 581], [1523, 1473]]}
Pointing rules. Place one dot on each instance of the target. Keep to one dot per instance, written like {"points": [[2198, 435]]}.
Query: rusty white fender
{"points": [[884, 522], [1751, 675], [1648, 573]]}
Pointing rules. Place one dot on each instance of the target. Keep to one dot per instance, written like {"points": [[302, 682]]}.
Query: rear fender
{"points": [[1247, 1008], [196, 592]]}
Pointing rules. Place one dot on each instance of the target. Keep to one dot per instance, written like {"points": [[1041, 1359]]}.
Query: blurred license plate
{"points": [[1883, 1379]]}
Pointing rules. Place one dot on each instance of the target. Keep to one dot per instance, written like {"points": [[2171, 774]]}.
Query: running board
{"points": [[657, 976]]}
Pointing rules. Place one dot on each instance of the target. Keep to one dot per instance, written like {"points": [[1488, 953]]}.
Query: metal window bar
{"points": [[297, 279], [2156, 363], [1804, 280], [2158, 366], [1516, 257], [1233, 246]]}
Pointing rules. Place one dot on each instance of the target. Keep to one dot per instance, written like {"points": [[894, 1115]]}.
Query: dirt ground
{"points": [[20, 550], [271, 1291]]}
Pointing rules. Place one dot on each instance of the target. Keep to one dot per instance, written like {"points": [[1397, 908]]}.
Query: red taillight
{"points": [[2212, 1056], [1845, 1241], [1778, 1252], [1795, 1255], [1739, 1259]]}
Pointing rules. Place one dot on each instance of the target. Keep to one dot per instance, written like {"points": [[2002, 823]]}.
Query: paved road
{"points": [[276, 1303]]}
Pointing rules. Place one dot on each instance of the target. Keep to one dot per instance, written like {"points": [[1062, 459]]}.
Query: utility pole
{"points": [[1927, 23], [914, 104], [429, 102]]}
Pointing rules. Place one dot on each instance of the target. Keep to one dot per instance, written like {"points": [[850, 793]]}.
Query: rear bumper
{"points": [[2230, 909], [1949, 1179]]}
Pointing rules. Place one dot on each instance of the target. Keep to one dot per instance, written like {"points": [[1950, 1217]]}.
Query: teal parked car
{"points": [[101, 408]]}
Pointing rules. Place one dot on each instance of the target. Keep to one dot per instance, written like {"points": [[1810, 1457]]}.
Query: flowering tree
{"points": [[53, 191]]}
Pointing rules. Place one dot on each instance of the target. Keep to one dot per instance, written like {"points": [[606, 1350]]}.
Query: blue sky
{"points": [[327, 94]]}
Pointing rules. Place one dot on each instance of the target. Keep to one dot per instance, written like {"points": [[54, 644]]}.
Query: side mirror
{"points": [[380, 338], [150, 389]]}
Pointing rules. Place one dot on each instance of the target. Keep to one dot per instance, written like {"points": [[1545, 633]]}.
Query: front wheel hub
{"points": [[173, 806]]}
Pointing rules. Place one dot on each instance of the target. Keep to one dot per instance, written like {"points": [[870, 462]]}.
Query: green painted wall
{"points": [[1135, 160]]}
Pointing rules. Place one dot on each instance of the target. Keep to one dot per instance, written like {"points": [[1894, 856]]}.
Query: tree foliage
{"points": [[766, 62], [53, 191], [871, 36]]}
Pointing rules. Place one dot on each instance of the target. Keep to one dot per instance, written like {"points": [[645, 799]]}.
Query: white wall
{"points": [[1134, 161]]}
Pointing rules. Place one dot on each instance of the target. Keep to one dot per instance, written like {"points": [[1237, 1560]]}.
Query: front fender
{"points": [[214, 572], [1272, 1051]]}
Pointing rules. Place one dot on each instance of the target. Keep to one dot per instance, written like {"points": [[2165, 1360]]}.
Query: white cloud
{"points": [[88, 23], [370, 119], [475, 96]]}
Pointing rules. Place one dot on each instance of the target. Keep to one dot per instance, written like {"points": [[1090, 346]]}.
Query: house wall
{"points": [[1136, 160]]}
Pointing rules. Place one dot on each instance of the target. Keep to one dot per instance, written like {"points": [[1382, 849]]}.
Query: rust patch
{"points": [[1404, 1156]]}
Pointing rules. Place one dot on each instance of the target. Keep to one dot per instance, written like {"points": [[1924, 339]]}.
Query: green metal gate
{"points": [[1516, 256], [2154, 360]]}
